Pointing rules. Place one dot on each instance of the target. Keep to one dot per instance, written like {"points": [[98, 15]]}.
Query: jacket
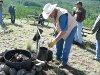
{"points": [[79, 14], [96, 28], [71, 22], [12, 10]]}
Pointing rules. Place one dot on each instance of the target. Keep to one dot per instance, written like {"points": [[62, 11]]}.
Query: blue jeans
{"points": [[64, 46], [98, 50], [78, 35], [1, 21], [13, 16]]}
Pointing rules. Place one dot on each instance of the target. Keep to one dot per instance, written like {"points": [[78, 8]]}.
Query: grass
{"points": [[23, 11], [80, 62]]}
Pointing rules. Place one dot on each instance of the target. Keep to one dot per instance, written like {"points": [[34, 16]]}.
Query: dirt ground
{"points": [[81, 57]]}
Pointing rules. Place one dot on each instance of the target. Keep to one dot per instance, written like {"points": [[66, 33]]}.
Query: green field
{"points": [[25, 7]]}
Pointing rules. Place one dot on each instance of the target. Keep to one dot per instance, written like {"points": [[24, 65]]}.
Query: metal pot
{"points": [[18, 65], [44, 54]]}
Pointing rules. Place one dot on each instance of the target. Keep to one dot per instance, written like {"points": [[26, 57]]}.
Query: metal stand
{"points": [[37, 42], [38, 36]]}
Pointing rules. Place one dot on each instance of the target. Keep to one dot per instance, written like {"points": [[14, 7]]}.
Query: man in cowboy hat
{"points": [[65, 27], [79, 14]]}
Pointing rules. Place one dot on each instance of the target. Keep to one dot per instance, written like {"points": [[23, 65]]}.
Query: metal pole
{"points": [[37, 42]]}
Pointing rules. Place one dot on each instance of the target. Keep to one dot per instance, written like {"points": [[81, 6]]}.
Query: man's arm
{"points": [[63, 22], [73, 12], [96, 25], [83, 14]]}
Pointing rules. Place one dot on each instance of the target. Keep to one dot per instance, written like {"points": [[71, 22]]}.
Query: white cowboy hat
{"points": [[47, 10]]}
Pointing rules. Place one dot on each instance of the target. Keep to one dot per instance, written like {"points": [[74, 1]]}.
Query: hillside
{"points": [[25, 7]]}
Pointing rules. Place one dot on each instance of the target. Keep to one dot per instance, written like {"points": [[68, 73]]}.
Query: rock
{"points": [[41, 73], [21, 72], [12, 71], [4, 68], [29, 74], [33, 72], [1, 59], [2, 73], [1, 54]]}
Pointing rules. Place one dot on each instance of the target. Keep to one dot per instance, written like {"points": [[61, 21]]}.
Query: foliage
{"points": [[25, 7], [23, 11], [31, 3]]}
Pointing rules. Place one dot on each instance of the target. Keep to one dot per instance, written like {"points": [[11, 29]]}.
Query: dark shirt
{"points": [[40, 17], [12, 9], [81, 12], [96, 28]]}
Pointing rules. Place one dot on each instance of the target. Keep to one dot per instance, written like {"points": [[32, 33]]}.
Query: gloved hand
{"points": [[52, 43]]}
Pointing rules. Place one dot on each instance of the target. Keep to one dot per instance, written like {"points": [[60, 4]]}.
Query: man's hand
{"points": [[52, 43]]}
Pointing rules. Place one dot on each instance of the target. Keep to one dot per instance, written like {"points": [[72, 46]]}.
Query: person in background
{"points": [[41, 20], [66, 29], [12, 13], [79, 13], [96, 29], [1, 20]]}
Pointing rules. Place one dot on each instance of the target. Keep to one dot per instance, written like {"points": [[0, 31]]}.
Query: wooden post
{"points": [[1, 21]]}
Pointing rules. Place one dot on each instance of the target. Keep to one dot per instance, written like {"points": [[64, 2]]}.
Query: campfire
{"points": [[23, 62]]}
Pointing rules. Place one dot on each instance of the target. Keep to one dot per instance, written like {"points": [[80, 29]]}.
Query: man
{"points": [[96, 28], [12, 13], [79, 13], [41, 20], [65, 27], [1, 21]]}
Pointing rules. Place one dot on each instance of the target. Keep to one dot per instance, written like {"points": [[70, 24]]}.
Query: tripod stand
{"points": [[37, 37]]}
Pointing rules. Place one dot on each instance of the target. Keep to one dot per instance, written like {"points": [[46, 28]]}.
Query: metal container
{"points": [[44, 54], [18, 65]]}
